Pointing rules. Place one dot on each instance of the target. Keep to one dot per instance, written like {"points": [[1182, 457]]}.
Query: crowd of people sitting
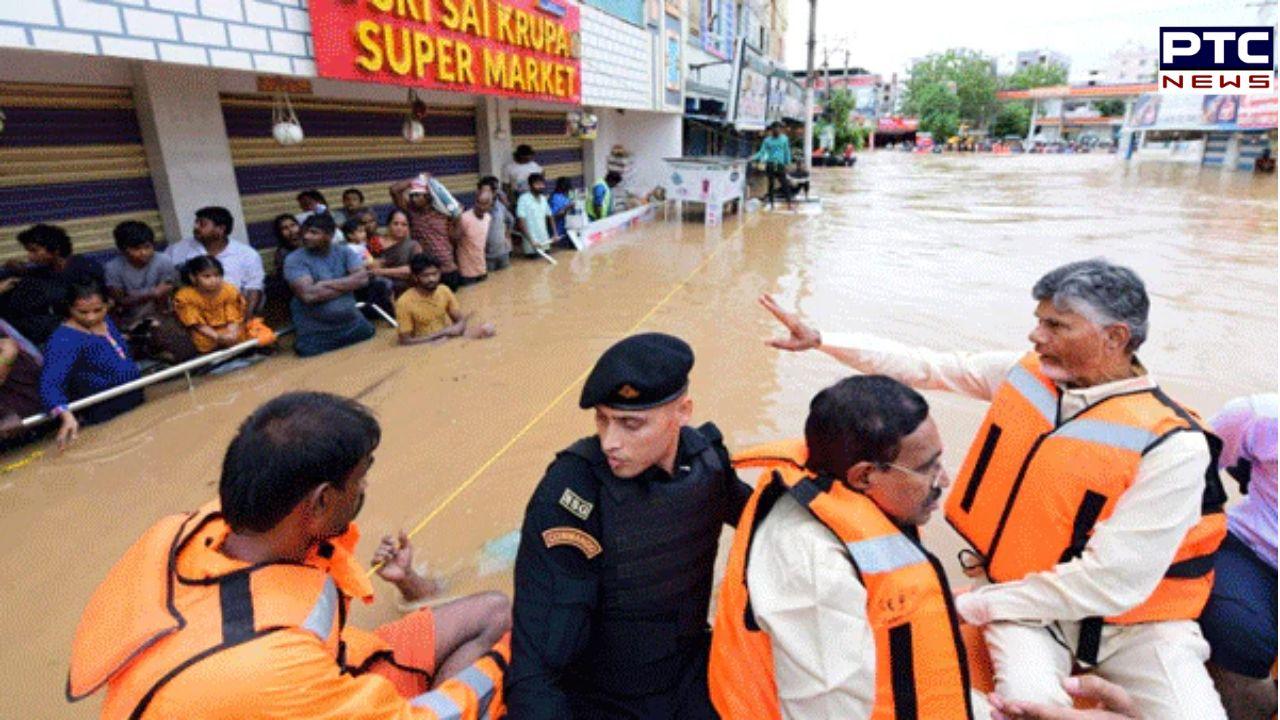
{"points": [[74, 327]]}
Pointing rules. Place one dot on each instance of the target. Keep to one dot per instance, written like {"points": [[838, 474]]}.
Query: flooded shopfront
{"points": [[933, 250]]}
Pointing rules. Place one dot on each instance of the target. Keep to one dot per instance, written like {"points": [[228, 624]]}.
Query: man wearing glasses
{"points": [[1090, 498], [830, 607]]}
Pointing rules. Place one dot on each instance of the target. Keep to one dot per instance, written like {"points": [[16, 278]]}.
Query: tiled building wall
{"points": [[260, 35]]}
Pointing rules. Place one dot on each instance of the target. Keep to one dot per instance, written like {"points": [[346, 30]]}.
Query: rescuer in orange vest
{"points": [[1090, 498], [238, 611], [830, 606]]}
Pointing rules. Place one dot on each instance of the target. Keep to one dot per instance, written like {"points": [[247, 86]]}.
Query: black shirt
{"points": [[559, 584]]}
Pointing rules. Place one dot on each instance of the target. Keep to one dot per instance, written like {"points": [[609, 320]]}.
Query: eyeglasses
{"points": [[933, 476]]}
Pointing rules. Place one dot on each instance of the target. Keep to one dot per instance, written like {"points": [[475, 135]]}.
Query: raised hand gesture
{"points": [[802, 337]]}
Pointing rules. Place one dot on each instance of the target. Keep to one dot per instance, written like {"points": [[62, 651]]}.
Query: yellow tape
{"points": [[19, 464], [542, 413]]}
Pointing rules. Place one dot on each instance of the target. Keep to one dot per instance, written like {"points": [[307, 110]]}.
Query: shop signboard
{"points": [[1204, 112], [751, 30], [718, 24], [1257, 112], [512, 48], [897, 124], [1146, 110], [751, 100]]}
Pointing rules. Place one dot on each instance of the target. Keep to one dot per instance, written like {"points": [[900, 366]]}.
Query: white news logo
{"points": [[1217, 60]]}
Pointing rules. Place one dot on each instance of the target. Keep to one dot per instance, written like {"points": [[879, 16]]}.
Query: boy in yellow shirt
{"points": [[429, 312]]}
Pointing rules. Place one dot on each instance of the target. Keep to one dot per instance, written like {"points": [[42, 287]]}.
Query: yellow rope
{"points": [[19, 464], [556, 401]]}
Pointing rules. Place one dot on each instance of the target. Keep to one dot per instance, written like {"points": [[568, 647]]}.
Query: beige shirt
{"points": [[1128, 553], [806, 596]]}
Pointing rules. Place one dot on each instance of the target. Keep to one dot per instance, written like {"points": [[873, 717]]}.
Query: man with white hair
{"points": [[1090, 498]]}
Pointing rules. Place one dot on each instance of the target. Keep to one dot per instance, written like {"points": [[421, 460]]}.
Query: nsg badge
{"points": [[1217, 60]]}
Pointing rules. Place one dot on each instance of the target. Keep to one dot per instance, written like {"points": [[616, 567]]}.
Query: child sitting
{"points": [[357, 239], [85, 355], [213, 310], [429, 312], [141, 283], [380, 291], [372, 239]]}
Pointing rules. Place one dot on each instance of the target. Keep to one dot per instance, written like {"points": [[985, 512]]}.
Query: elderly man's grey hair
{"points": [[1103, 293]]}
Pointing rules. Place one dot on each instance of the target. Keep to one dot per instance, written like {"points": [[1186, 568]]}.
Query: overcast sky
{"points": [[883, 36]]}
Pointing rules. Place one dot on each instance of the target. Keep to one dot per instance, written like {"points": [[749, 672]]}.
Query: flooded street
{"points": [[934, 250]]}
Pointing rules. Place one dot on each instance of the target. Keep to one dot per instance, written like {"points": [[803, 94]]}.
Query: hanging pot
{"points": [[285, 127], [412, 129]]}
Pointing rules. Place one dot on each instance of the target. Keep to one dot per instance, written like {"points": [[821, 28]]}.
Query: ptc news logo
{"points": [[1217, 60]]}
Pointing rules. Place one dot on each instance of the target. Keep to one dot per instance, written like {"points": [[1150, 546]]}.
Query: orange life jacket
{"points": [[150, 621], [920, 662], [1033, 486]]}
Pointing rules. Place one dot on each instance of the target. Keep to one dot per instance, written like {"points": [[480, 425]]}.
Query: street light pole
{"points": [[808, 87]]}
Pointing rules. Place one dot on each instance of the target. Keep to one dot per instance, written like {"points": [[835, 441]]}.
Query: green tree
{"points": [[1012, 119], [1111, 108], [938, 109], [838, 109], [1034, 76], [966, 75]]}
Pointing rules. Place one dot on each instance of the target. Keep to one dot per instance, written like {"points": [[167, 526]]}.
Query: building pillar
{"points": [[185, 138], [493, 135], [595, 153], [1031, 127]]}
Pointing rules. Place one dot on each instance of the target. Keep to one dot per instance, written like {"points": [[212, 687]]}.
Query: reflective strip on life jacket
{"points": [[1110, 434], [1035, 393], [471, 694], [321, 620], [885, 554]]}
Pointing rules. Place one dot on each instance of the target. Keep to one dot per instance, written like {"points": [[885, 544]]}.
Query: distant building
{"points": [[1045, 58], [1132, 63], [891, 96]]}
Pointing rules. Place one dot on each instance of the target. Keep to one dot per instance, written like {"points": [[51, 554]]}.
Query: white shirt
{"points": [[517, 175], [805, 595], [241, 264], [1128, 553]]}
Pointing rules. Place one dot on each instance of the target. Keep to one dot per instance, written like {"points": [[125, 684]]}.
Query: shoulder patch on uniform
{"points": [[574, 503], [572, 537]]}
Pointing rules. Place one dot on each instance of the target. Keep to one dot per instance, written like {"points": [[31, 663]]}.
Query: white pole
{"points": [[808, 87], [180, 369], [390, 320], [143, 382]]}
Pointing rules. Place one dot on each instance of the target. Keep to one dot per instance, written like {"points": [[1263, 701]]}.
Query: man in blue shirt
{"points": [[323, 278], [775, 153]]}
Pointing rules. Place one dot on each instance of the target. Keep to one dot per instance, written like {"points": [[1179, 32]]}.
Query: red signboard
{"points": [[514, 48], [897, 124]]}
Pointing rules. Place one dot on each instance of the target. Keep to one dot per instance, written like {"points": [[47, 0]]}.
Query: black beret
{"points": [[639, 372]]}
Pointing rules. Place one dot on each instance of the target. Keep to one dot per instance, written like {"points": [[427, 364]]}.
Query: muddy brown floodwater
{"points": [[936, 250]]}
